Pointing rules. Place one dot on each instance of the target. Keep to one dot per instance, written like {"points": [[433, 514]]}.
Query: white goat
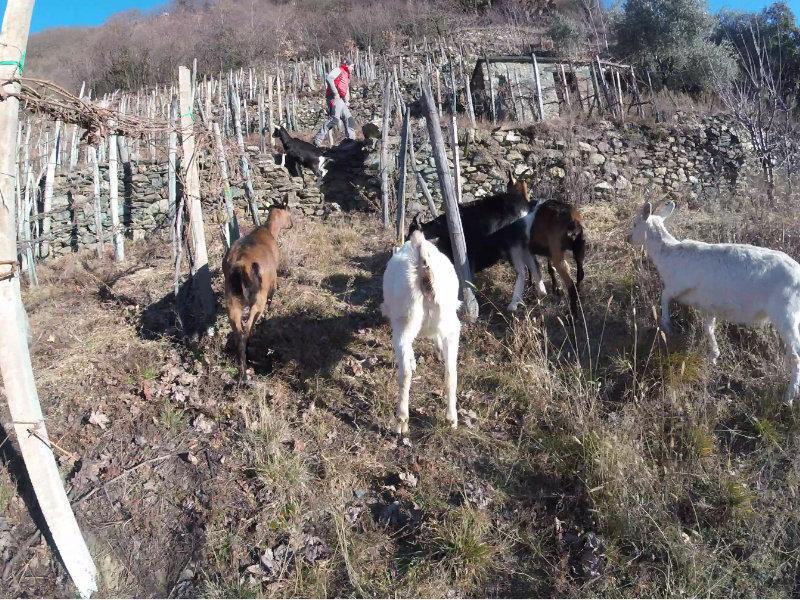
{"points": [[737, 282], [420, 296]]}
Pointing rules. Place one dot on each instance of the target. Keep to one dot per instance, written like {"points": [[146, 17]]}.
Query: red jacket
{"points": [[340, 78]]}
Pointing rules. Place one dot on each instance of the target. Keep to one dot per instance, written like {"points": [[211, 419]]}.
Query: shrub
{"points": [[672, 39]]}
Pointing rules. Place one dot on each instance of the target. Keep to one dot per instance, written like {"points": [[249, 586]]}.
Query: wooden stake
{"points": [[537, 82], [244, 163], [401, 180], [230, 229], [453, 217], [456, 157], [117, 237], [420, 179], [384, 160], [565, 85], [201, 276], [492, 105], [98, 208], [172, 189], [47, 205], [74, 142]]}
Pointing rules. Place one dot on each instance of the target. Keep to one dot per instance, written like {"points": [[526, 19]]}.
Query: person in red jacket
{"points": [[337, 96]]}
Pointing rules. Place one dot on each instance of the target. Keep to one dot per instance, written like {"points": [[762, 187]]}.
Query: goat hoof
{"points": [[541, 290], [453, 420], [512, 307], [402, 427]]}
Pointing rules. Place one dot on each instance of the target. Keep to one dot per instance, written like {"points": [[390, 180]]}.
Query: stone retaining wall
{"points": [[601, 161]]}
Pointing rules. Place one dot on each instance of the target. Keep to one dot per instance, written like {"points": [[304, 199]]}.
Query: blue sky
{"points": [[61, 13]]}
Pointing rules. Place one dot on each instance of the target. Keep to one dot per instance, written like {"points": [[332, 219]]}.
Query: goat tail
{"points": [[246, 285], [424, 271]]}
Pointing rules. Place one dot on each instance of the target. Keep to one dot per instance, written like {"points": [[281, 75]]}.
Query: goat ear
{"points": [[647, 210], [666, 210]]}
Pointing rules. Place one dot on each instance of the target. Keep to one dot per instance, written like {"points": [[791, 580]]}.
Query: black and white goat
{"points": [[509, 226], [300, 153]]}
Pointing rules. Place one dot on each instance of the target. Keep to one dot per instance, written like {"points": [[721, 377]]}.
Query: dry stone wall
{"points": [[689, 157]]}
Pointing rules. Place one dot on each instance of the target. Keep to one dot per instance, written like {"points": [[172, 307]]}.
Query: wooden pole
{"points": [[271, 120], [98, 209], [564, 85], [456, 157], [452, 215], [47, 205], [244, 163], [201, 276], [468, 92], [172, 187], [538, 83], [15, 362], [117, 237], [603, 85], [384, 161], [74, 142], [231, 228], [261, 124], [618, 87], [492, 105], [401, 180], [420, 179]]}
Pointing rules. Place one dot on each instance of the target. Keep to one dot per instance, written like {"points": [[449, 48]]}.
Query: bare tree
{"points": [[761, 103]]}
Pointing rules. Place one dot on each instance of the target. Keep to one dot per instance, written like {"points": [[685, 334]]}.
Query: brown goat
{"points": [[251, 277], [557, 228]]}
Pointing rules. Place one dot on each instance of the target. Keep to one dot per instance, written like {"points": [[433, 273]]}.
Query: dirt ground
{"points": [[599, 459]]}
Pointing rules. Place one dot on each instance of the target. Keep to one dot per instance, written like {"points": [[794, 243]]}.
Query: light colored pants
{"points": [[338, 113]]}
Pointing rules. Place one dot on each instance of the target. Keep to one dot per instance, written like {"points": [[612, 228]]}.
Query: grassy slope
{"points": [[607, 462]]}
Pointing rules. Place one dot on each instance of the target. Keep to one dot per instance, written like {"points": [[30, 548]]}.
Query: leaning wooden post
{"points": [[15, 361], [401, 180], [384, 162], [538, 83], [565, 85], [244, 163], [452, 215], [47, 204], [470, 105], [420, 179], [201, 276], [231, 229]]}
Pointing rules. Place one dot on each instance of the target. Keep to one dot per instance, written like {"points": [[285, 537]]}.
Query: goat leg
{"points": [[242, 357]]}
